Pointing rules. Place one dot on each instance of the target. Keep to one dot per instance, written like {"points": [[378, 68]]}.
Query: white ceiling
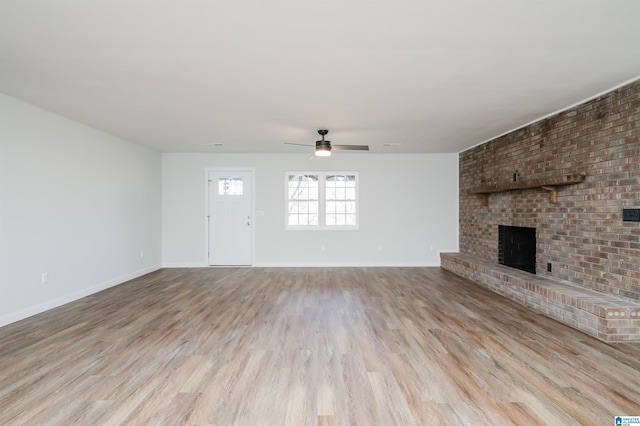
{"points": [[430, 75]]}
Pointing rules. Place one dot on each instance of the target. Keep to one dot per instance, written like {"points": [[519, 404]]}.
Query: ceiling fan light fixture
{"points": [[323, 148]]}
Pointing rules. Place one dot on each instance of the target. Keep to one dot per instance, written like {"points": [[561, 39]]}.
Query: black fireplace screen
{"points": [[517, 247]]}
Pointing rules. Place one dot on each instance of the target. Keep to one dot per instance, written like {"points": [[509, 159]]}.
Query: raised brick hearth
{"points": [[603, 315]]}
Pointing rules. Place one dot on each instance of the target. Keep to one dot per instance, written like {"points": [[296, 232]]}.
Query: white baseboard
{"points": [[346, 264], [59, 301], [184, 265], [316, 264]]}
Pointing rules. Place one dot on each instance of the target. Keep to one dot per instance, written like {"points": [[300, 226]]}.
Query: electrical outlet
{"points": [[45, 278], [141, 254], [631, 215]]}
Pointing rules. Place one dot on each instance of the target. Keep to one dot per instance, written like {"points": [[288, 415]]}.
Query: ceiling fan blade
{"points": [[299, 144], [350, 147]]}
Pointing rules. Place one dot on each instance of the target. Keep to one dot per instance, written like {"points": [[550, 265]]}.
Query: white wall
{"points": [[75, 203], [408, 205]]}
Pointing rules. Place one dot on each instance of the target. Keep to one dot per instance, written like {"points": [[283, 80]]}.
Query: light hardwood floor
{"points": [[307, 346]]}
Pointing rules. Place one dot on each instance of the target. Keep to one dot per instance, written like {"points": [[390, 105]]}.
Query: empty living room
{"points": [[319, 213]]}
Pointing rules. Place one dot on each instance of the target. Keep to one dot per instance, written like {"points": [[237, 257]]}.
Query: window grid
{"points": [[321, 200], [340, 200], [303, 200]]}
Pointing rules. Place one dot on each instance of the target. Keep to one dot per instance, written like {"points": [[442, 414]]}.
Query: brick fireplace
{"points": [[581, 234]]}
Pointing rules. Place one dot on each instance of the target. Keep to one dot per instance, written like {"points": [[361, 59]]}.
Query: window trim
{"points": [[322, 202]]}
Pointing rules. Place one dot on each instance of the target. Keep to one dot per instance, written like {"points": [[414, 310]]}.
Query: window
{"points": [[322, 200], [303, 200]]}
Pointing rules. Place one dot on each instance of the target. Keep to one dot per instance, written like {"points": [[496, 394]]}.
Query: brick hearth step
{"points": [[606, 316]]}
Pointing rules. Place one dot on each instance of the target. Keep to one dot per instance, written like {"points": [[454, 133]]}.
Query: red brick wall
{"points": [[583, 235]]}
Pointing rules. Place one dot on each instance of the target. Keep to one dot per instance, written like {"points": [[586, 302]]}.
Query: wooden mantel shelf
{"points": [[548, 184]]}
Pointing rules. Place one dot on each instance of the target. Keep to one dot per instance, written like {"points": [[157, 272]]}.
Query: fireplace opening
{"points": [[517, 247]]}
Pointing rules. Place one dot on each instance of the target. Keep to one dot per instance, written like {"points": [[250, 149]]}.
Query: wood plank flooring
{"points": [[308, 346]]}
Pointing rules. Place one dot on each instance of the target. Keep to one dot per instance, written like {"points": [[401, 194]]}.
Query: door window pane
{"points": [[230, 186]]}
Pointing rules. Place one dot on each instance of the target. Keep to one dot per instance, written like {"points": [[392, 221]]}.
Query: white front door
{"points": [[230, 217]]}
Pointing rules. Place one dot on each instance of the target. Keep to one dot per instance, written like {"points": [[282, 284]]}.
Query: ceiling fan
{"points": [[324, 148]]}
